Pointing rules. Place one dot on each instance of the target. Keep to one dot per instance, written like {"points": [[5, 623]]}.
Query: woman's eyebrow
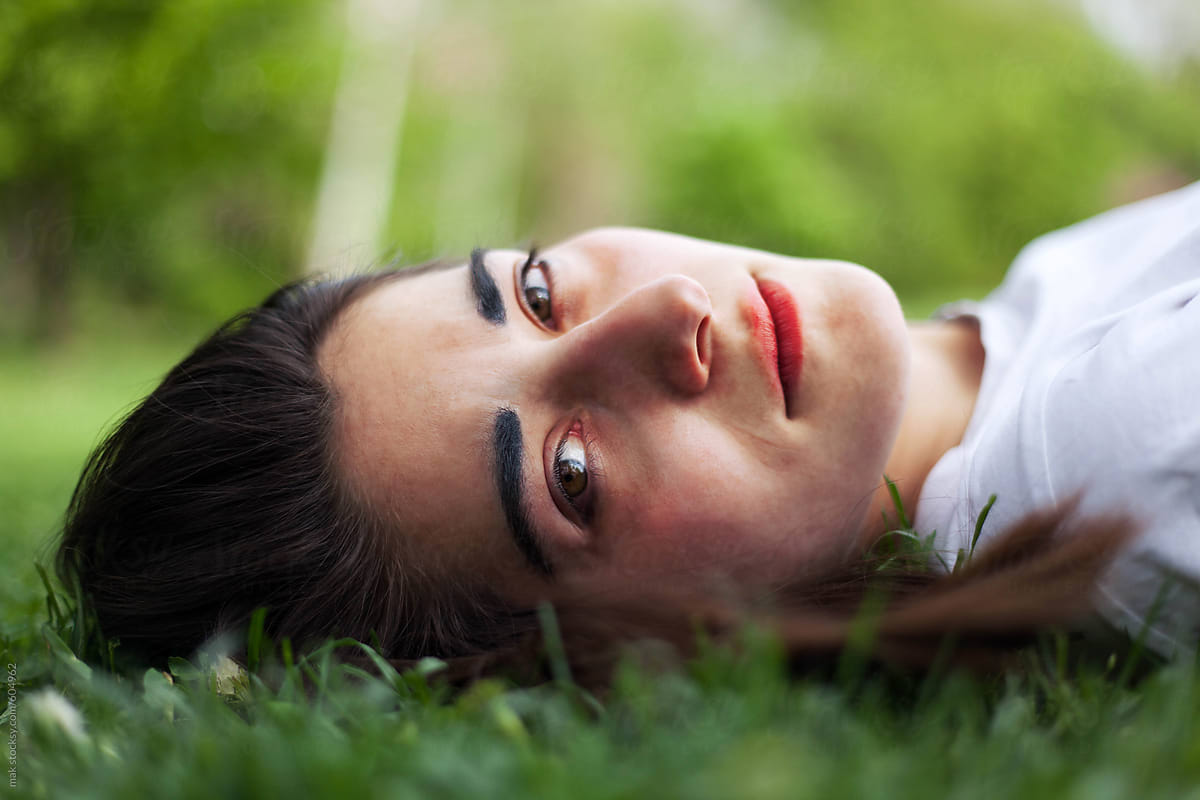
{"points": [[507, 442], [509, 456], [488, 300]]}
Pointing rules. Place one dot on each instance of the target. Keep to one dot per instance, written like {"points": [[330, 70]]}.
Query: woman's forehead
{"points": [[412, 421]]}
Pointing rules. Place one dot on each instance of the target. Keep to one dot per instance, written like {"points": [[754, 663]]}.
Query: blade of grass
{"points": [[897, 502], [254, 638], [555, 651], [982, 518], [57, 617], [1139, 643], [860, 641]]}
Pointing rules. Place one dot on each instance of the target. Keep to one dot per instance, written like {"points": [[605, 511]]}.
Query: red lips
{"points": [[786, 339]]}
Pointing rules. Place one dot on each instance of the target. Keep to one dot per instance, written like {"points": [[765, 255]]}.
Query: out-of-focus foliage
{"points": [[160, 152], [169, 153]]}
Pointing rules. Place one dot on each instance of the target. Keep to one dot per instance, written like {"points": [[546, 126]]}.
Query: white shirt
{"points": [[1091, 382]]}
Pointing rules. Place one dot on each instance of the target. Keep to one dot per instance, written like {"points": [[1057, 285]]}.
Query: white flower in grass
{"points": [[55, 715], [229, 678]]}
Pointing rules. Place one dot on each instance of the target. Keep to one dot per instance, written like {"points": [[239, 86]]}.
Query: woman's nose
{"points": [[656, 336]]}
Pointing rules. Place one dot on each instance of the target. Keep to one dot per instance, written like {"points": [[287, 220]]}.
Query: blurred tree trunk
{"points": [[40, 240], [358, 178]]}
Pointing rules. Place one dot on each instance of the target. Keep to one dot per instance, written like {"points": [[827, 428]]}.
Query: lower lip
{"points": [[787, 335]]}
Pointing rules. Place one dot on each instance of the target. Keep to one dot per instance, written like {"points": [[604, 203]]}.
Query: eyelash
{"points": [[584, 505], [532, 261]]}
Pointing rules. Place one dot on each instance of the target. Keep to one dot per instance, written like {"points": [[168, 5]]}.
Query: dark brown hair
{"points": [[218, 495]]}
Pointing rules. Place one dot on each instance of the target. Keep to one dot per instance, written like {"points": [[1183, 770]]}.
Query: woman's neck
{"points": [[947, 364]]}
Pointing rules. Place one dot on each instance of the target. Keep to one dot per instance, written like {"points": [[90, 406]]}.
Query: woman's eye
{"points": [[535, 286], [570, 467]]}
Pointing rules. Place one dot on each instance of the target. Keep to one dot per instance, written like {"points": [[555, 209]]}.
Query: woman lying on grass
{"points": [[652, 433]]}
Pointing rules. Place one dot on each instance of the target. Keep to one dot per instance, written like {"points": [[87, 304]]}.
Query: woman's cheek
{"points": [[692, 530]]}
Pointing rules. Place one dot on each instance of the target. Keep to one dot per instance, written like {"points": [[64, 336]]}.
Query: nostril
{"points": [[704, 341]]}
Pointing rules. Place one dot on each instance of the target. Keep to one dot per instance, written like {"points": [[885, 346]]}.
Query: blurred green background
{"points": [[163, 164]]}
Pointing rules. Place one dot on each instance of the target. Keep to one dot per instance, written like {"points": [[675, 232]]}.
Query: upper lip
{"points": [[785, 328]]}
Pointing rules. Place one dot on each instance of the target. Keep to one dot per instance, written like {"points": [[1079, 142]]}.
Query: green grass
{"points": [[728, 725]]}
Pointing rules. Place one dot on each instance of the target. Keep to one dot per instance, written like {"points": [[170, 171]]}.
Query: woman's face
{"points": [[615, 411]]}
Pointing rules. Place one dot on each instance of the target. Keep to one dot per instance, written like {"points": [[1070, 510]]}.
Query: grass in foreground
{"points": [[729, 725]]}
